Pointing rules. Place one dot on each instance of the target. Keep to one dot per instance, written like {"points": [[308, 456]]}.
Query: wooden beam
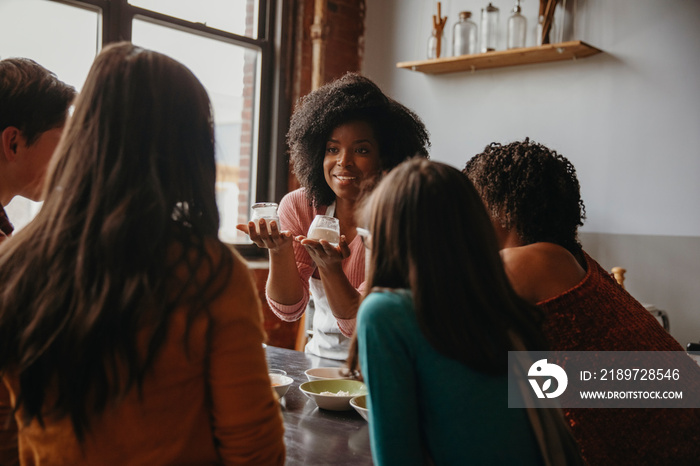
{"points": [[318, 40]]}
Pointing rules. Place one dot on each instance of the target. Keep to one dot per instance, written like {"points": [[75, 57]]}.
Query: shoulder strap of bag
{"points": [[551, 430]]}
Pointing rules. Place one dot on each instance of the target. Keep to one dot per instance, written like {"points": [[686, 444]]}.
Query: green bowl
{"points": [[333, 402]]}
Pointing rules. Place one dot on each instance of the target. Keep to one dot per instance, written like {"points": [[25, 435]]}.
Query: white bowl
{"points": [[316, 391], [326, 373], [280, 383], [360, 405]]}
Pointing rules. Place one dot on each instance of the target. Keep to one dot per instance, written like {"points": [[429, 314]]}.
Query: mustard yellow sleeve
{"points": [[246, 414], [9, 453]]}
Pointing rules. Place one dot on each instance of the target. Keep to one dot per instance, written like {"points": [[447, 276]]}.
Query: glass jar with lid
{"points": [[464, 37], [489, 28], [517, 28]]}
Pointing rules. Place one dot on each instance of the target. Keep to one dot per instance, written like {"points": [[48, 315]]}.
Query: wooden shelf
{"points": [[501, 58]]}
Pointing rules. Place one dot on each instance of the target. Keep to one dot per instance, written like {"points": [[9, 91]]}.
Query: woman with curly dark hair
{"points": [[534, 199], [341, 136]]}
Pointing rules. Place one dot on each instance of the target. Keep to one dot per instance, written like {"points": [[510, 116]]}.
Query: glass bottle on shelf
{"points": [[563, 22], [517, 28], [464, 36], [539, 30], [489, 28], [433, 51]]}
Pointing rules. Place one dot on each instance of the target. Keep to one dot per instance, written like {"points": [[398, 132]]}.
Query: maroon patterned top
{"points": [[598, 314]]}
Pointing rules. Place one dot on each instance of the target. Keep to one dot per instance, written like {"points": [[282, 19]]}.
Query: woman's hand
{"points": [[272, 239], [343, 298], [323, 253]]}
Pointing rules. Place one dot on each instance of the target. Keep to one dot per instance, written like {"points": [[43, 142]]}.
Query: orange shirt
{"points": [[8, 434], [214, 405]]}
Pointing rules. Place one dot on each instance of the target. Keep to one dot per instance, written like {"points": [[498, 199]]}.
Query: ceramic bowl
{"points": [[281, 383], [325, 393], [326, 373], [360, 405]]}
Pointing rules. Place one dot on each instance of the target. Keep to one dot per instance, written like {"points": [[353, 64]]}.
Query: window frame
{"points": [[274, 45]]}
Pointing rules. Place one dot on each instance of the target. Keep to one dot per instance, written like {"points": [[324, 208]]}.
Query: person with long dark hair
{"points": [[341, 136], [34, 107], [129, 334], [434, 332]]}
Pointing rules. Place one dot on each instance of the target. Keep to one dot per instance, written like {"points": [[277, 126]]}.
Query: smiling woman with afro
{"points": [[342, 137], [399, 132]]}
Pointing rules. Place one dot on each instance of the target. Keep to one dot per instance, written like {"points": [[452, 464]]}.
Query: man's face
{"points": [[34, 161]]}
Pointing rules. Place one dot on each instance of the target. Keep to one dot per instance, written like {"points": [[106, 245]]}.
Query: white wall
{"points": [[628, 119]]}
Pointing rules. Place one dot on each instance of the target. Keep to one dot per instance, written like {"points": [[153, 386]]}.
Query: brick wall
{"points": [[344, 47]]}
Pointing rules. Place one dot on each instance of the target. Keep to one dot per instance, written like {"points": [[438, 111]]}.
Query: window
{"points": [[232, 46], [226, 15], [43, 40]]}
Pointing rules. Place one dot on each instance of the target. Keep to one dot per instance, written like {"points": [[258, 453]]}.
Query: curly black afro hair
{"points": [[399, 132], [532, 189]]}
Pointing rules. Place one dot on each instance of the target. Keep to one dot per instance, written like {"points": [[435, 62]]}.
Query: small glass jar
{"points": [[464, 37], [325, 227], [435, 47], [267, 211], [517, 28], [489, 28]]}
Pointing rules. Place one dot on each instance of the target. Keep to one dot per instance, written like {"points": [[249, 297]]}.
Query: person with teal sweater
{"points": [[434, 332]]}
